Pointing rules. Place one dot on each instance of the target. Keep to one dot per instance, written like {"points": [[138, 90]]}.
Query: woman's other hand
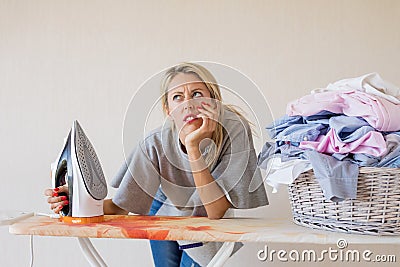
{"points": [[55, 199]]}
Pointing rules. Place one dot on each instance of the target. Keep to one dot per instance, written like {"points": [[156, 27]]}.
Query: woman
{"points": [[199, 163]]}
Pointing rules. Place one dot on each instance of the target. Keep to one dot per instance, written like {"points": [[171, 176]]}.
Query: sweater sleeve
{"points": [[137, 181], [237, 172]]}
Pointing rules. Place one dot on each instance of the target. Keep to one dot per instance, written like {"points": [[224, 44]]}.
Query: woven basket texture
{"points": [[375, 211]]}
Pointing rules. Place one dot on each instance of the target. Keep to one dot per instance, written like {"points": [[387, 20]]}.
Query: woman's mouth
{"points": [[190, 118]]}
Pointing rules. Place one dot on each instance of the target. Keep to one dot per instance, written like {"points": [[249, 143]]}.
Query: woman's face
{"points": [[186, 93]]}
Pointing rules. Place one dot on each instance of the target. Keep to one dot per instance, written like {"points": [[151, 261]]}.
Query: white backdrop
{"points": [[66, 60]]}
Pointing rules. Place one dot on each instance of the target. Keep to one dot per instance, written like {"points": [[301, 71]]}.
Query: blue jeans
{"points": [[167, 253]]}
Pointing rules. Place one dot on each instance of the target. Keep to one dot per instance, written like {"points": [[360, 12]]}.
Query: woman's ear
{"points": [[166, 110]]}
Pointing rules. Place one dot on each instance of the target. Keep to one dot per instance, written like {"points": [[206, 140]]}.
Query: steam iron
{"points": [[78, 167]]}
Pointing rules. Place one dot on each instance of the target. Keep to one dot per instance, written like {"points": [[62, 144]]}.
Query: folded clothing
{"points": [[378, 112]]}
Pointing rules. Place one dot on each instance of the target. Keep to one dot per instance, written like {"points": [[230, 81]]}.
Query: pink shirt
{"points": [[380, 113], [372, 143]]}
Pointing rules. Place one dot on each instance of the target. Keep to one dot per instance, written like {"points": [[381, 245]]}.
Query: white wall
{"points": [[65, 60]]}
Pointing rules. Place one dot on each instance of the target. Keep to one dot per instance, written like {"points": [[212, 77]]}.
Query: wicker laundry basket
{"points": [[375, 211]]}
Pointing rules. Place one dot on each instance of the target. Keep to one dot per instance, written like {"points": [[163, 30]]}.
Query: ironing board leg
{"points": [[93, 257], [91, 254], [222, 255], [95, 253]]}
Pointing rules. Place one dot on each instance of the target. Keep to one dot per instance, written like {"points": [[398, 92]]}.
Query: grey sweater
{"points": [[159, 162]]}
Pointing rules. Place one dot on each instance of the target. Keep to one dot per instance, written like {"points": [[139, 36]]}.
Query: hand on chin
{"points": [[191, 132]]}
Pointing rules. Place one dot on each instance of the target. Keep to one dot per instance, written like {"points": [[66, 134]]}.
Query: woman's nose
{"points": [[188, 104]]}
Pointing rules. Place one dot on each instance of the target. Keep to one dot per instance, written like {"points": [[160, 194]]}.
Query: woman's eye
{"points": [[176, 97], [197, 94]]}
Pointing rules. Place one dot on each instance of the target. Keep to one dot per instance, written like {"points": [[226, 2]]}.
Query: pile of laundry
{"points": [[349, 124]]}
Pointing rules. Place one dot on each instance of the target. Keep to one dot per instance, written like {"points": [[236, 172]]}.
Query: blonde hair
{"points": [[211, 83]]}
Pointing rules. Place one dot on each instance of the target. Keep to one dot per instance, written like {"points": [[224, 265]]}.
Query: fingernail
{"points": [[63, 198], [55, 194], [56, 189], [199, 108], [66, 202], [60, 207]]}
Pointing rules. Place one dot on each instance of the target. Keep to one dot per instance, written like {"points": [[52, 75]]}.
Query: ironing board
{"points": [[189, 228]]}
